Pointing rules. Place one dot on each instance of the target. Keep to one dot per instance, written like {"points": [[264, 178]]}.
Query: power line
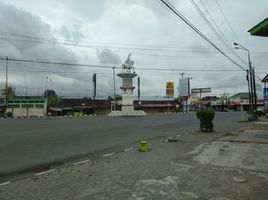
{"points": [[117, 47], [178, 14], [223, 36], [57, 63], [209, 24], [147, 69], [232, 30], [107, 67]]}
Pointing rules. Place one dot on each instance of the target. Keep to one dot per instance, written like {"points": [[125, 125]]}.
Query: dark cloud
{"points": [[33, 75], [138, 22], [106, 56]]}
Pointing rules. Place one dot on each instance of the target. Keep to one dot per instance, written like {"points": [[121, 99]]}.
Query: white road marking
{"points": [[5, 183], [128, 149], [81, 162], [109, 154], [45, 172]]}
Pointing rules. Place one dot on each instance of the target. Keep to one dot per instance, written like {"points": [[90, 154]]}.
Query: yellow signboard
{"points": [[169, 89]]}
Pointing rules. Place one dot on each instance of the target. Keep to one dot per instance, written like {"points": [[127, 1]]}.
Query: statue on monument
{"points": [[128, 65]]}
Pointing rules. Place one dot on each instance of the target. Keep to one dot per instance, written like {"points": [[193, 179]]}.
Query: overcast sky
{"points": [[103, 32]]}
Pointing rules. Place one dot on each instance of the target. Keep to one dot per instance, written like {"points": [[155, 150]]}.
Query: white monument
{"points": [[127, 74]]}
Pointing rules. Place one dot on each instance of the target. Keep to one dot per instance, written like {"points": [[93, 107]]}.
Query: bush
{"points": [[177, 110], [9, 114], [206, 117]]}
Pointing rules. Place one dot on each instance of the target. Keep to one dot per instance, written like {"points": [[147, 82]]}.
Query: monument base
{"points": [[124, 113]]}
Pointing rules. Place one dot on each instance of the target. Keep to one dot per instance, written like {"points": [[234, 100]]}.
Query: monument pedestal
{"points": [[127, 93]]}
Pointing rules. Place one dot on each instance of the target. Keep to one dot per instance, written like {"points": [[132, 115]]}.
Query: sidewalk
{"points": [[209, 166]]}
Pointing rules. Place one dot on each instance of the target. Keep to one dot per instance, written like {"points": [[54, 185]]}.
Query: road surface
{"points": [[31, 143]]}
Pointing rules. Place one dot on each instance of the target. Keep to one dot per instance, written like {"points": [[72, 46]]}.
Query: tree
{"points": [[87, 99], [10, 92], [55, 101], [117, 98], [50, 94], [51, 97]]}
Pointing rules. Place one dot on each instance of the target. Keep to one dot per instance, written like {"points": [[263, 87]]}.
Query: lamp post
{"points": [[250, 78]]}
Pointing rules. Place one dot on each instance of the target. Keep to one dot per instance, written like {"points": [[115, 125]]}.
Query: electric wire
{"points": [[232, 30], [221, 33], [185, 20], [107, 66]]}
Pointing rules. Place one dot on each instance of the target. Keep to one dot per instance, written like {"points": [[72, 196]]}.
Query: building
{"points": [[82, 106], [261, 29], [265, 90], [26, 106]]}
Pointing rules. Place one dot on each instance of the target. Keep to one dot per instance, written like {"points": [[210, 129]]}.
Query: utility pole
{"points": [[46, 96], [248, 80], [139, 92], [254, 91], [115, 103], [6, 82], [251, 83], [94, 79], [251, 77], [50, 88], [182, 75]]}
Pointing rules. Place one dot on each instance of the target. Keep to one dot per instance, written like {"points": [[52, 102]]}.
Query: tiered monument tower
{"points": [[127, 74]]}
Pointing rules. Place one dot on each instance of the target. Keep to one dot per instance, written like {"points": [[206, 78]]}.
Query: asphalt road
{"points": [[28, 143]]}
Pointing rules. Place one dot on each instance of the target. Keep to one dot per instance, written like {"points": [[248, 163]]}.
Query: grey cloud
{"points": [[64, 31], [106, 56], [21, 22], [91, 10], [75, 35]]}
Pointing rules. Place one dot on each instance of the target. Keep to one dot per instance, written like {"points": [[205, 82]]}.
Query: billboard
{"points": [[170, 89], [184, 87], [200, 90]]}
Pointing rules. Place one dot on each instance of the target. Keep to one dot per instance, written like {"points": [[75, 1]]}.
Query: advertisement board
{"points": [[184, 87], [170, 89], [200, 90]]}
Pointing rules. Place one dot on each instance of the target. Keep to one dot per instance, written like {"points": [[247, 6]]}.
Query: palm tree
{"points": [[9, 92]]}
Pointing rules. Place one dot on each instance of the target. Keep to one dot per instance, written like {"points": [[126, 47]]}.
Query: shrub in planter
{"points": [[206, 117]]}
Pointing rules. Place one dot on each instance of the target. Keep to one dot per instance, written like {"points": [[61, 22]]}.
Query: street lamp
{"points": [[250, 78]]}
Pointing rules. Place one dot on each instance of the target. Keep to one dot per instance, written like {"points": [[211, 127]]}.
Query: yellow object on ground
{"points": [[144, 146]]}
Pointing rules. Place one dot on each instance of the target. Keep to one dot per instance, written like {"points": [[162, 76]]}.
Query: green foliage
{"points": [[177, 110], [206, 114], [50, 94], [9, 114], [117, 97], [55, 101], [206, 117], [87, 99], [10, 91]]}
